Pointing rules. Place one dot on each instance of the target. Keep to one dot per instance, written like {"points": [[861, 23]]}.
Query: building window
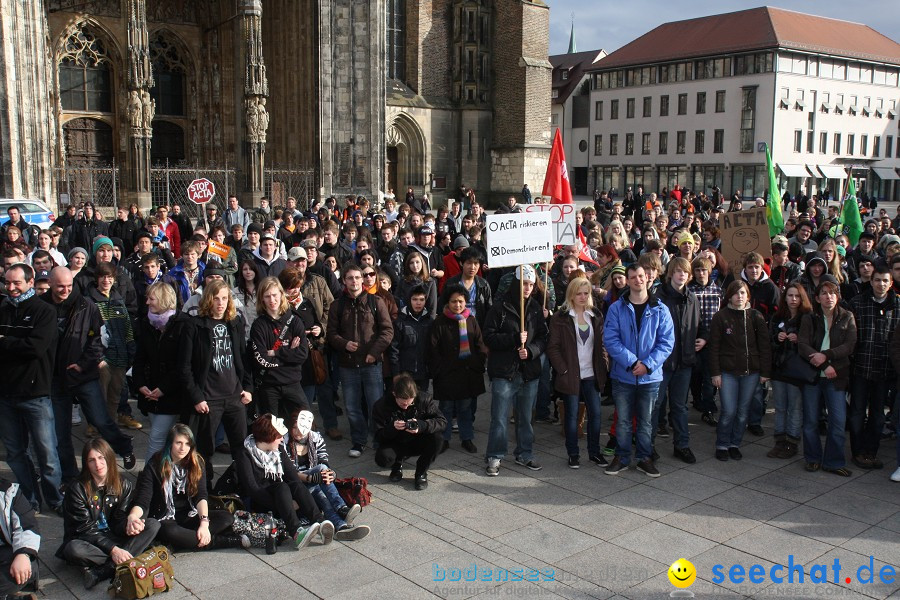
{"points": [[85, 79], [554, 120], [565, 75], [168, 74], [682, 104], [680, 138], [701, 103], [836, 146], [629, 144], [396, 39], [613, 109], [851, 143], [888, 146], [810, 142], [748, 119], [663, 142], [719, 141], [823, 142], [648, 110], [699, 141], [613, 144], [876, 146], [720, 101], [629, 108], [645, 143], [598, 145], [664, 106], [598, 110], [863, 145]]}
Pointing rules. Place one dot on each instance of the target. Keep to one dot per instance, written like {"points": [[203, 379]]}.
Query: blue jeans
{"points": [[591, 398], [542, 408], [358, 382], [865, 420], [675, 386], [634, 401], [735, 396], [757, 405], [93, 404], [160, 425], [24, 419], [520, 395], [327, 498], [836, 404], [464, 418], [788, 409]]}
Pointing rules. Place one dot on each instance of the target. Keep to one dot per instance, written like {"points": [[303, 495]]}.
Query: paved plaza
{"points": [[591, 535]]}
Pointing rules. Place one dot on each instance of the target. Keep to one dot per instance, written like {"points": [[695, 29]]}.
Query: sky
{"points": [[611, 24]]}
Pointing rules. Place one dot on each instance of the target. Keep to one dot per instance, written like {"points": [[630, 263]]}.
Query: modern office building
{"points": [[695, 102]]}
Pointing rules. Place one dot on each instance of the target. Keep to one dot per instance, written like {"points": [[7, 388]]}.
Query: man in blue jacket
{"points": [[639, 336]]}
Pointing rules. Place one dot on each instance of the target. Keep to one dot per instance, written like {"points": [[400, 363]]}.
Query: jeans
{"points": [[359, 381], [634, 401], [465, 419], [865, 431], [280, 400], [424, 445], [836, 403], [160, 425], [757, 406], [542, 406], [327, 498], [22, 419], [591, 398], [520, 395], [788, 400], [735, 396], [705, 394], [93, 404], [674, 387]]}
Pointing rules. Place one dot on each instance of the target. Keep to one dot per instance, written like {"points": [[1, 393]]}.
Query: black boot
{"points": [[94, 575], [229, 541]]}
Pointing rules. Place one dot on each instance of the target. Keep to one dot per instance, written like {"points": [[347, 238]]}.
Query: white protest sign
{"points": [[564, 232], [519, 238]]}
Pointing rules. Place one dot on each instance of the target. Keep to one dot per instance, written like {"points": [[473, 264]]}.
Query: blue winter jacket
{"points": [[652, 345]]}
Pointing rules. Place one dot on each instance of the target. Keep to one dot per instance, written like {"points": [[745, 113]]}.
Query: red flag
{"points": [[583, 251], [556, 182]]}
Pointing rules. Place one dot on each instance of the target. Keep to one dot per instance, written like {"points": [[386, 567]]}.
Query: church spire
{"points": [[572, 48]]}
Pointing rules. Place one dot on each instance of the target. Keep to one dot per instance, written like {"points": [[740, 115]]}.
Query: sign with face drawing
{"points": [[742, 232]]}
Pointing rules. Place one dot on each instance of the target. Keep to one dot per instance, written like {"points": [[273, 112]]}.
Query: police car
{"points": [[34, 212]]}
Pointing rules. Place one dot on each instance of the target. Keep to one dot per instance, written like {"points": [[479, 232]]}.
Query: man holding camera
{"points": [[407, 424]]}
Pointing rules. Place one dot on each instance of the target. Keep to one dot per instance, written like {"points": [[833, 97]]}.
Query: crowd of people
{"points": [[234, 327]]}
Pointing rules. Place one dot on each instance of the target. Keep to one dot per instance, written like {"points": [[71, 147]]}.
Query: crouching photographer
{"points": [[407, 424]]}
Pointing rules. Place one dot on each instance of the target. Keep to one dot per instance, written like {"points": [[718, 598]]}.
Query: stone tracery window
{"points": [[396, 39], [85, 77], [168, 75]]}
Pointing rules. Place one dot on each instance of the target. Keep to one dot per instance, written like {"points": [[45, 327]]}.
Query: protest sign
{"points": [[519, 238], [564, 232], [742, 232]]}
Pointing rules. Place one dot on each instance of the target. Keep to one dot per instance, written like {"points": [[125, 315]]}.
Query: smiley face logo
{"points": [[745, 240], [682, 573]]}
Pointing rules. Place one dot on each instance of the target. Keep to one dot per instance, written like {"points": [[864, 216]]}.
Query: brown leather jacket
{"points": [[562, 350]]}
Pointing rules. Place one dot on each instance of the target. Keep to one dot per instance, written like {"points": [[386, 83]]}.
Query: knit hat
{"points": [[102, 241], [526, 273], [75, 251], [815, 257], [255, 227], [683, 237], [841, 250], [618, 269], [460, 242], [213, 267], [826, 279]]}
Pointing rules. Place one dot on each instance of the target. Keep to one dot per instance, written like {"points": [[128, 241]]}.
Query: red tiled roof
{"points": [[754, 29], [576, 64]]}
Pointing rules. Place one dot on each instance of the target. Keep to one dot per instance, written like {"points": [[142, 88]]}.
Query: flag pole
{"points": [[841, 205], [546, 285], [522, 299]]}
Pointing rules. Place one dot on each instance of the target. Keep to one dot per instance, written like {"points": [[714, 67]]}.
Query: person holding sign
{"points": [[514, 366]]}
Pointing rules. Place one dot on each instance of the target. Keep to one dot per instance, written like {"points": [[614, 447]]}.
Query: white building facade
{"points": [[698, 111]]}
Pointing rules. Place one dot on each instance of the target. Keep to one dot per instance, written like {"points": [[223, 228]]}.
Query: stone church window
{"points": [[396, 39], [168, 75], [85, 79]]}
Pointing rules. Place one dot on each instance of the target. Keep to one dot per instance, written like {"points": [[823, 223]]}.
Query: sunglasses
{"points": [[369, 274]]}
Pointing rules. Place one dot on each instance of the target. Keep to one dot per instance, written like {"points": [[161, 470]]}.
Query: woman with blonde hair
{"points": [[212, 370], [278, 349], [828, 249]]}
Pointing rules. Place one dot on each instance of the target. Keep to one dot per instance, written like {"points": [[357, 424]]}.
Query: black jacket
{"points": [[83, 232], [195, 357], [501, 335], [424, 410], [456, 378], [27, 347], [252, 478], [407, 351], [79, 342], [82, 515], [155, 362], [685, 311], [286, 366], [126, 231], [149, 492]]}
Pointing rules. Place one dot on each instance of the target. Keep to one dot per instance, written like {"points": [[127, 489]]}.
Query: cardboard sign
{"points": [[219, 250], [519, 238], [742, 232], [201, 191], [564, 232]]}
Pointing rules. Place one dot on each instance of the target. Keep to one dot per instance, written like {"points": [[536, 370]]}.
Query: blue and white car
{"points": [[34, 212]]}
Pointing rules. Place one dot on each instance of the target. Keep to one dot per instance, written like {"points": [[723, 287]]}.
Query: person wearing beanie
{"points": [[104, 252], [78, 258]]}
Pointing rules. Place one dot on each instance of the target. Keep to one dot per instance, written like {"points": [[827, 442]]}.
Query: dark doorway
{"points": [[579, 181], [392, 158]]}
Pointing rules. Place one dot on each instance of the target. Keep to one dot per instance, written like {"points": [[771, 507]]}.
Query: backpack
{"points": [[253, 525], [144, 575], [354, 490]]}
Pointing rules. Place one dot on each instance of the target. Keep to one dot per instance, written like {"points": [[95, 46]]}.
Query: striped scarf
{"points": [[464, 350]]}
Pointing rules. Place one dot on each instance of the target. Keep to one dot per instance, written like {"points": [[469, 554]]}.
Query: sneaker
{"points": [[350, 534], [305, 535], [615, 467], [647, 467], [710, 419], [896, 476], [396, 472], [129, 422], [530, 463], [598, 460], [455, 426], [722, 454], [334, 434], [756, 430], [686, 455], [493, 467], [734, 453], [574, 462], [356, 451], [610, 448], [349, 513], [662, 431], [326, 530], [76, 415], [469, 446], [129, 461]]}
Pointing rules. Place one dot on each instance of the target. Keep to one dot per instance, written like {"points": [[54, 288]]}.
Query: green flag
{"points": [[850, 219], [773, 204]]}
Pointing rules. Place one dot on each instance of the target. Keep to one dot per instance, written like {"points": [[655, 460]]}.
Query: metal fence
{"points": [[282, 183], [99, 184], [168, 185]]}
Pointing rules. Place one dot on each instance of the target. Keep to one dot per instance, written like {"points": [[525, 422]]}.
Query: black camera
{"points": [[412, 425]]}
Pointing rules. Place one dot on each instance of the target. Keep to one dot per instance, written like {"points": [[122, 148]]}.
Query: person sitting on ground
{"points": [[96, 507], [19, 541], [407, 424], [306, 449]]}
